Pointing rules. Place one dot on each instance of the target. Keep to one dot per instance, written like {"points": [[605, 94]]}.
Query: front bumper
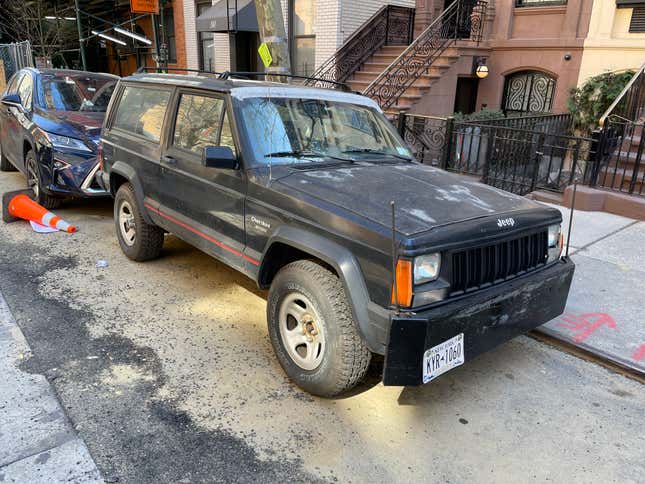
{"points": [[76, 178], [487, 319]]}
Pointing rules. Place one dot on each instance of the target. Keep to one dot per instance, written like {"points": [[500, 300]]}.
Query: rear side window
{"points": [[141, 111]]}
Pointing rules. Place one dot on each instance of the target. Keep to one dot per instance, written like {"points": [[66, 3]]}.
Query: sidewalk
{"points": [[37, 441], [605, 306]]}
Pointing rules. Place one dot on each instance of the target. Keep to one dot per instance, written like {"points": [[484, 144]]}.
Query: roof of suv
{"points": [[244, 88]]}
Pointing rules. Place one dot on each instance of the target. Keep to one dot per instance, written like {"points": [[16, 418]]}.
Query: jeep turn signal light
{"points": [[403, 286]]}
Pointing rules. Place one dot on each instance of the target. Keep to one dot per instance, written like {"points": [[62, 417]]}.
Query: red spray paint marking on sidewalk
{"points": [[585, 324], [639, 354]]}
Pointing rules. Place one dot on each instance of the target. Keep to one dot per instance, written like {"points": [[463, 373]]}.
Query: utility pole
{"points": [[272, 33], [81, 41]]}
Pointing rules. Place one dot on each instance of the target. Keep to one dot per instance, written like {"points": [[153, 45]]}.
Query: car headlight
{"points": [[426, 268], [555, 242], [58, 141]]}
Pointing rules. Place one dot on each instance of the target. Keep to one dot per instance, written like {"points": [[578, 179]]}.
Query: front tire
{"points": [[139, 240], [313, 332], [32, 172]]}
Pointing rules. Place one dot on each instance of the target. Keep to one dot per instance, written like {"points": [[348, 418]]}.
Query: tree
{"points": [[22, 20], [272, 32]]}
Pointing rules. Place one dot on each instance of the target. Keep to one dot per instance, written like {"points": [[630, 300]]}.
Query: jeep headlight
{"points": [[555, 242], [426, 268]]}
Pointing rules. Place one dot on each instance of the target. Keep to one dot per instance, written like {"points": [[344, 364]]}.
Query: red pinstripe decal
{"points": [[203, 235]]}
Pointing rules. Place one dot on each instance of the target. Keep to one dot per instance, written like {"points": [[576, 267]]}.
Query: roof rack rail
{"points": [[228, 74], [164, 70]]}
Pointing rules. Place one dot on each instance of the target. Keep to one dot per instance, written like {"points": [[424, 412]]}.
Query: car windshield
{"points": [[75, 92], [296, 130]]}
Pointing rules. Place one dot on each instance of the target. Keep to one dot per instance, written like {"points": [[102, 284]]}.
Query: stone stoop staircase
{"points": [[619, 172], [375, 65]]}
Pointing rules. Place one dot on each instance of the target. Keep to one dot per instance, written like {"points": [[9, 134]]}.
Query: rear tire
{"points": [[4, 162], [139, 240], [313, 332], [32, 172]]}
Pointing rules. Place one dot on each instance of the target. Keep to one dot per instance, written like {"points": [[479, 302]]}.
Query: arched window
{"points": [[528, 92]]}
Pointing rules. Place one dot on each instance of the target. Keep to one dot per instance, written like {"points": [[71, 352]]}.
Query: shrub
{"points": [[589, 101]]}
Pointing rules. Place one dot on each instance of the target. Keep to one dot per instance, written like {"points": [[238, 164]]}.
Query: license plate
{"points": [[443, 357]]}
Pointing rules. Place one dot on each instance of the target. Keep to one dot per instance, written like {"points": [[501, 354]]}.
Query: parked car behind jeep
{"points": [[50, 124], [312, 194]]}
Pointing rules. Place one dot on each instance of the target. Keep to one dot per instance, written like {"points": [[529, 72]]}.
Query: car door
{"points": [[14, 118], [205, 204], [6, 113]]}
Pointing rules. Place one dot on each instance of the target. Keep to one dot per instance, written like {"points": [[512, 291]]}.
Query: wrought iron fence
{"points": [[512, 158], [461, 16], [15, 57], [390, 25], [426, 136]]}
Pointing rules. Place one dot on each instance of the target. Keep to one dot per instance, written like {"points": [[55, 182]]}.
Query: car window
{"points": [[25, 90], [141, 111], [198, 122], [75, 92]]}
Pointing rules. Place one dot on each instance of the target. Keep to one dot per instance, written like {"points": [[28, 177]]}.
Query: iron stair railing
{"points": [[461, 16], [390, 25], [630, 103]]}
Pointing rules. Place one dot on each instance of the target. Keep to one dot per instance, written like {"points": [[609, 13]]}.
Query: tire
{"points": [[4, 162], [32, 172], [335, 359], [139, 240]]}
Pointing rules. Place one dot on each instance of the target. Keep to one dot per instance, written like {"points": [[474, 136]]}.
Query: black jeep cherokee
{"points": [[299, 189]]}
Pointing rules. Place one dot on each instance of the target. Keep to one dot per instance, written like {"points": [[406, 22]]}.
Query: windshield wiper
{"points": [[306, 154], [372, 151]]}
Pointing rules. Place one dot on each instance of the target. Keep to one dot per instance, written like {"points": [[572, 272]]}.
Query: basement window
{"points": [[539, 3], [637, 24]]}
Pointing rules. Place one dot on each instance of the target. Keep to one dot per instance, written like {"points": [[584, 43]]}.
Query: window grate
{"points": [[480, 267], [637, 24]]}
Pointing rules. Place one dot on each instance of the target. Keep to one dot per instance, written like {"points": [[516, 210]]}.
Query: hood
{"points": [[424, 197], [75, 124]]}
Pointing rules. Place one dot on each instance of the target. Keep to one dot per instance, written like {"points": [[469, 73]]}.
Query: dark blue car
{"points": [[50, 124]]}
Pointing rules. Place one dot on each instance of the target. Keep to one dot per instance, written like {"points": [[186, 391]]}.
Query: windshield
{"points": [[296, 130], [80, 92]]}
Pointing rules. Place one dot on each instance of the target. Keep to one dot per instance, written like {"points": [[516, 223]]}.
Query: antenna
{"points": [[573, 204], [396, 292]]}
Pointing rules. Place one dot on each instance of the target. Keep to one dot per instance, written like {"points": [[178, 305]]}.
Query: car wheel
{"points": [[138, 239], [312, 330], [4, 162], [33, 181]]}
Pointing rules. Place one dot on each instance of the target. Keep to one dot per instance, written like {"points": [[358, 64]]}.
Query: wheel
{"points": [[4, 162], [312, 330], [138, 239], [33, 181]]}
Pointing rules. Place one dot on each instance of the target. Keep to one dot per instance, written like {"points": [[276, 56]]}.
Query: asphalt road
{"points": [[166, 371]]}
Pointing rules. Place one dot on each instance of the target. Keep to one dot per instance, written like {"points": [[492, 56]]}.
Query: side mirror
{"points": [[12, 100], [219, 157]]}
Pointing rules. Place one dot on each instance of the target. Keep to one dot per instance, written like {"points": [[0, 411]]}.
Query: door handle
{"points": [[169, 160]]}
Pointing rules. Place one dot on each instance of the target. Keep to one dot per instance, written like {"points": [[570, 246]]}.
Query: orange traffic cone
{"points": [[24, 207]]}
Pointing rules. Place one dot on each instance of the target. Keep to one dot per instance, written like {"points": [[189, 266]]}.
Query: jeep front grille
{"points": [[479, 267]]}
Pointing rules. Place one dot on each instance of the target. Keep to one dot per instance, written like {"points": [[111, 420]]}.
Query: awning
{"points": [[214, 19], [630, 3]]}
